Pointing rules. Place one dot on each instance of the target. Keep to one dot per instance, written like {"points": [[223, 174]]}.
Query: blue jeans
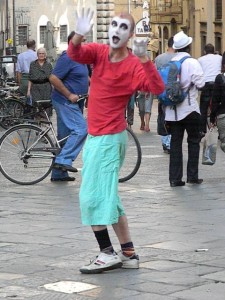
{"points": [[70, 121], [166, 140]]}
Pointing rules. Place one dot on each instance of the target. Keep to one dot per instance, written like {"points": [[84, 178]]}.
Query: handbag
{"points": [[161, 124], [210, 147]]}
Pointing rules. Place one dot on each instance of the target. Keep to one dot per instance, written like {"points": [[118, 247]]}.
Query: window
{"points": [[22, 34], [42, 34], [218, 42], [218, 9], [63, 33]]}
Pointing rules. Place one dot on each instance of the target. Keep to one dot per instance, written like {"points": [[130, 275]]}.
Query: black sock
{"points": [[103, 240]]}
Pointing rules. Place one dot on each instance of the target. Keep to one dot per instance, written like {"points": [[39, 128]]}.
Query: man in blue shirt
{"points": [[69, 79], [23, 66]]}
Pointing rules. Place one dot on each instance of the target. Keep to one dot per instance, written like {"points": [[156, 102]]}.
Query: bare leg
{"points": [[142, 122], [98, 227], [147, 121], [122, 231]]}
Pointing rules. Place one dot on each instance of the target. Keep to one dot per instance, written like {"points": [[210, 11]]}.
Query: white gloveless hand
{"points": [[84, 21], [140, 46]]}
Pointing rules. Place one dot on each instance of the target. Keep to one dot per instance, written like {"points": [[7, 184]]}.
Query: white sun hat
{"points": [[181, 40]]}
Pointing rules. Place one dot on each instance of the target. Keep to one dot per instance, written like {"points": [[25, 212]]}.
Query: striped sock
{"points": [[128, 249]]}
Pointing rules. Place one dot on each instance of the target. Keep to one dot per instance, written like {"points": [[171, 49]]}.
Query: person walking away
{"points": [[39, 87], [69, 79], [130, 111], [145, 101], [186, 116], [217, 116], [23, 65], [161, 60], [211, 66], [117, 74]]}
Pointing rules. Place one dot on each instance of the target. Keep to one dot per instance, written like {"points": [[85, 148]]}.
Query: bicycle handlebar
{"points": [[82, 97]]}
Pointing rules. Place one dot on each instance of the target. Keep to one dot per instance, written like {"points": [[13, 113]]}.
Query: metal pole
{"points": [[129, 6], [7, 19], [14, 25]]}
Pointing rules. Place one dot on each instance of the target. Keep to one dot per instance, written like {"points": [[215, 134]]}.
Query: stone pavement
{"points": [[43, 244]]}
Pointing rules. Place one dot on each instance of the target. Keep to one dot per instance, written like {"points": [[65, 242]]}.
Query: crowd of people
{"points": [[120, 78]]}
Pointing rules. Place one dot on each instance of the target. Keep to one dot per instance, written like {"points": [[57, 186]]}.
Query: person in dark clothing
{"points": [[217, 115], [39, 87], [211, 66]]}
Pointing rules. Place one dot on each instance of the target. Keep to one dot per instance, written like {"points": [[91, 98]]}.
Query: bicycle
{"points": [[27, 151], [9, 108], [132, 161]]}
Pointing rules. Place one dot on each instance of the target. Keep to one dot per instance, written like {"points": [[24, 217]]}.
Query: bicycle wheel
{"points": [[12, 111], [25, 158], [132, 159]]}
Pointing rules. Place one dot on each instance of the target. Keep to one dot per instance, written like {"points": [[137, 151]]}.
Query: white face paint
{"points": [[119, 32]]}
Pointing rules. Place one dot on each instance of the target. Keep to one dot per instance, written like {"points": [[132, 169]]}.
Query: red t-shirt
{"points": [[112, 85]]}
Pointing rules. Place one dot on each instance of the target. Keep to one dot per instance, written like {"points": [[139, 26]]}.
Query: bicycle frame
{"points": [[44, 132]]}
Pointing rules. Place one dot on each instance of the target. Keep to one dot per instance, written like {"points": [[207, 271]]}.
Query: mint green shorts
{"points": [[103, 156]]}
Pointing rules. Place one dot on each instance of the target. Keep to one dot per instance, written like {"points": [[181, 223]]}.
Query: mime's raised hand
{"points": [[84, 22], [140, 47]]}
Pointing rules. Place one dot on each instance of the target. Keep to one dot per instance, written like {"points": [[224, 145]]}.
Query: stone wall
{"points": [[105, 12]]}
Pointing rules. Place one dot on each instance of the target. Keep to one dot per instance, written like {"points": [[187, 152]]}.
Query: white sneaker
{"points": [[103, 262], [129, 262]]}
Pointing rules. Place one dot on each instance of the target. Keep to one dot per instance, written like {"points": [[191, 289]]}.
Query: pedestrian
{"points": [[186, 116], [23, 66], [117, 74], [39, 87], [211, 66], [130, 111], [217, 116], [145, 101], [69, 79], [161, 60]]}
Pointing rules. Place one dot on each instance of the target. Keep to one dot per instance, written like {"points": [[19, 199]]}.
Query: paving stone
{"points": [[146, 296], [157, 288], [217, 276], [10, 276], [17, 292], [163, 265], [214, 291], [69, 287]]}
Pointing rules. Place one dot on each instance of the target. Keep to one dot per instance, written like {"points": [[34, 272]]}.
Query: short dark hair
{"points": [[170, 42], [31, 44], [209, 48], [70, 36], [185, 49]]}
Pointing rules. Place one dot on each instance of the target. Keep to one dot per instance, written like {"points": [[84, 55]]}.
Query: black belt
{"points": [[40, 81]]}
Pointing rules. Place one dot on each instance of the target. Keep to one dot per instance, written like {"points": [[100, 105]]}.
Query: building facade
{"points": [[204, 20], [27, 19], [201, 19], [156, 19]]}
